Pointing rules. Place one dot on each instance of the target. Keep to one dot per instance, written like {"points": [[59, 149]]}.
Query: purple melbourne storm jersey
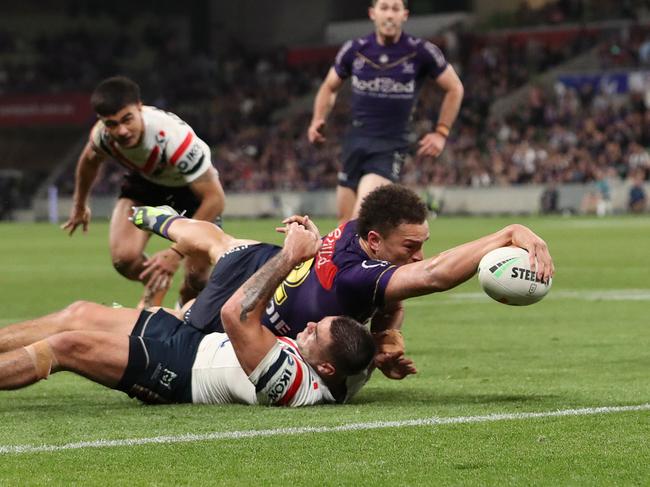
{"points": [[385, 80], [340, 280]]}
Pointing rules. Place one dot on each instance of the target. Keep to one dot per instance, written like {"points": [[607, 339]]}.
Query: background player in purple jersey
{"points": [[387, 69], [167, 164], [364, 269], [158, 359]]}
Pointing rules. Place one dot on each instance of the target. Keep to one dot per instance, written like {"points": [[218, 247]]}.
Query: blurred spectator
{"points": [[638, 200], [603, 192], [549, 199]]}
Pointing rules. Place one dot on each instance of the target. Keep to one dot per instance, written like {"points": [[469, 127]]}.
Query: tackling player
{"points": [[387, 69], [364, 269], [160, 359], [168, 165]]}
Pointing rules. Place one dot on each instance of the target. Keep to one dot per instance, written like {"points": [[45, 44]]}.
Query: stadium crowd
{"points": [[251, 109]]}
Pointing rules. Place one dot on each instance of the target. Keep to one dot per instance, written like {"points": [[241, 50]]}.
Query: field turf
{"points": [[464, 419]]}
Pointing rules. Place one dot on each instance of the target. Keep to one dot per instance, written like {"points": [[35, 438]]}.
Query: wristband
{"points": [[443, 130], [389, 341]]}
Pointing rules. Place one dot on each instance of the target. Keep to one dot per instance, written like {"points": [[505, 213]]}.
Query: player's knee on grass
{"points": [[129, 264], [192, 285], [76, 314]]}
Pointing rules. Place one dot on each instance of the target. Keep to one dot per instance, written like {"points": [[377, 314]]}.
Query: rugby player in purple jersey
{"points": [[364, 269], [386, 70]]}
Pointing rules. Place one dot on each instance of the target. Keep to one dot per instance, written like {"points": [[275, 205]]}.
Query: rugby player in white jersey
{"points": [[158, 358], [167, 165]]}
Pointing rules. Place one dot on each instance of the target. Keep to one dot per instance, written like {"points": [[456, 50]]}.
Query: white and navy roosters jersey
{"points": [[282, 378], [169, 154]]}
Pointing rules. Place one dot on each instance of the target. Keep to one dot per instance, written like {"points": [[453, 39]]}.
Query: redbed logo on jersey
{"points": [[45, 109], [326, 269]]}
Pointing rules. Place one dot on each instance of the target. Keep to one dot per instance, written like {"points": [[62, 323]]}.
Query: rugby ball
{"points": [[505, 276]]}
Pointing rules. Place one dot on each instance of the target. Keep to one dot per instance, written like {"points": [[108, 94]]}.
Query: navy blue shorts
{"points": [[144, 192], [162, 350], [371, 155], [230, 272]]}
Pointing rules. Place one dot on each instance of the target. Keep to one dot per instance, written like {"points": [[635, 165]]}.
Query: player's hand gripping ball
{"points": [[505, 276]]}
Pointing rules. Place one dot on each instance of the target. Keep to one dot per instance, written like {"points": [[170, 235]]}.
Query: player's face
{"points": [[314, 340], [388, 17], [404, 244], [126, 126]]}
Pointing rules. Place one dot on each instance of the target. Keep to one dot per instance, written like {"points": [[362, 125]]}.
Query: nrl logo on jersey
{"points": [[408, 68], [358, 64], [161, 137], [167, 377]]}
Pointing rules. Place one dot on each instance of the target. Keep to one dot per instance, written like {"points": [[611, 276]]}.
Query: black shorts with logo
{"points": [[144, 192], [230, 272], [162, 350], [371, 155]]}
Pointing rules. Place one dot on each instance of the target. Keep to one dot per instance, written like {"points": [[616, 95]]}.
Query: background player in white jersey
{"points": [[387, 69], [160, 359], [167, 163]]}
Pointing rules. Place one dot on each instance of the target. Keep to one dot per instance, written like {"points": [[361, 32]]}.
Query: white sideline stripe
{"points": [[236, 435]]}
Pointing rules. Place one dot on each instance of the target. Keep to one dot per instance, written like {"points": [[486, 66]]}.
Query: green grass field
{"points": [[585, 346]]}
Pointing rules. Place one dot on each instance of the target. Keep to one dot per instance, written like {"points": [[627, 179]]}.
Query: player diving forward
{"points": [[364, 269], [167, 163], [157, 358]]}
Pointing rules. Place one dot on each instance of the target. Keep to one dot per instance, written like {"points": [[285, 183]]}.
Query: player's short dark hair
{"points": [[352, 348], [374, 2], [113, 94], [387, 207]]}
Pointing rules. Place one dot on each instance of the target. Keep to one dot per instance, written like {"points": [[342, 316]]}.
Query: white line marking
{"points": [[236, 435]]}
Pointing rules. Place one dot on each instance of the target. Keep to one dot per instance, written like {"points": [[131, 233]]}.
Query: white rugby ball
{"points": [[505, 276]]}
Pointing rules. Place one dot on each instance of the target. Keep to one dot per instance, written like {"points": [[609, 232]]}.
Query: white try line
{"points": [[236, 435]]}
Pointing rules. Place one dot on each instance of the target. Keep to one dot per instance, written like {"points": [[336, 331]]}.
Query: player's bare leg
{"points": [[345, 199], [127, 246], [367, 184], [81, 315], [99, 356], [192, 237], [197, 273]]}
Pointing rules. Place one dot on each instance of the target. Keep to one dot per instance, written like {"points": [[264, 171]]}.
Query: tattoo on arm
{"points": [[259, 288]]}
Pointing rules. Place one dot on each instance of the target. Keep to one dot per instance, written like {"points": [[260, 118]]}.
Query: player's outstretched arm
{"points": [[454, 266], [323, 104], [86, 173], [241, 314]]}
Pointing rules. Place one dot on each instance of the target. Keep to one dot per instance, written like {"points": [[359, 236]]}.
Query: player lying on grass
{"points": [[157, 358], [364, 269]]}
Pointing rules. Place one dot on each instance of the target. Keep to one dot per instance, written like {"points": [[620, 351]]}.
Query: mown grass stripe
{"points": [[236, 435], [564, 294]]}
